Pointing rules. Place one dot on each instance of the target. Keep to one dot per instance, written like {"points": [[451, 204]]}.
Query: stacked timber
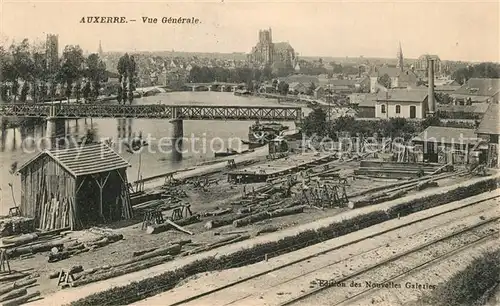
{"points": [[260, 216], [222, 242], [168, 224], [56, 214], [16, 225], [16, 293], [153, 204], [137, 263], [395, 191], [396, 169], [223, 221]]}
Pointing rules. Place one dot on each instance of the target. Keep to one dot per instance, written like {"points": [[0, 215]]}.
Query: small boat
{"points": [[253, 144], [229, 152]]}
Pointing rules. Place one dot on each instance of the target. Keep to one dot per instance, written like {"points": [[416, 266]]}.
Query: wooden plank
{"points": [[179, 228]]}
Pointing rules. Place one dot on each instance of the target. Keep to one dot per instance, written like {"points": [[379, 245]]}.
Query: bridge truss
{"points": [[153, 111]]}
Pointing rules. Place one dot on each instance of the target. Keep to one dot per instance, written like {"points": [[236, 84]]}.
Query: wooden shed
{"points": [[75, 187]]}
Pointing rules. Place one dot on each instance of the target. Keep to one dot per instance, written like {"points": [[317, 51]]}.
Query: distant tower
{"points": [[100, 49], [400, 58], [52, 52]]}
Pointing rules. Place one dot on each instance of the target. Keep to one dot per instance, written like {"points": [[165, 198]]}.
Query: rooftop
{"points": [[479, 87], [490, 124], [84, 160], [403, 95], [448, 135]]}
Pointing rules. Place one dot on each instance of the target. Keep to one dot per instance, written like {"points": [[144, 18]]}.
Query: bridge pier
{"points": [[56, 132], [177, 135]]}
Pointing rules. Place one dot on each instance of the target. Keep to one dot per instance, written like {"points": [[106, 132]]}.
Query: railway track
{"points": [[407, 263], [244, 299]]}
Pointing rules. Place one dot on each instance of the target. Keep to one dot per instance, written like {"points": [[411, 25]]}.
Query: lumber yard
{"points": [[251, 211]]}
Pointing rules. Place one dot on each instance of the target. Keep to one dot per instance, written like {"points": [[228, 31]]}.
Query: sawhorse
{"points": [[65, 278], [181, 212]]}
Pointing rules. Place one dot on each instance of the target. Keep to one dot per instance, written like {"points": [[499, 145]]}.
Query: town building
{"points": [[319, 92], [52, 52], [477, 90], [489, 130], [297, 88], [348, 86], [266, 52], [402, 103], [76, 187], [364, 104], [446, 145], [405, 78], [421, 65]]}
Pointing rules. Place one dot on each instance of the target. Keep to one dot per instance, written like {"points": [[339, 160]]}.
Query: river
{"points": [[202, 138]]}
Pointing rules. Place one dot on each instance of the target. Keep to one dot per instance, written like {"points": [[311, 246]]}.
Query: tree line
{"points": [[483, 70], [316, 123], [237, 75], [26, 75]]}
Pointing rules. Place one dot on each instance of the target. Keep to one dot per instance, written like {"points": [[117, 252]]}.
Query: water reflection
{"points": [[153, 160]]}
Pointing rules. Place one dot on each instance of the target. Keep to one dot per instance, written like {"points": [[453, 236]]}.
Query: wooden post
{"points": [[101, 184]]}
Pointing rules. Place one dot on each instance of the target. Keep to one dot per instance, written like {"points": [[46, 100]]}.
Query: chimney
{"points": [[430, 99]]}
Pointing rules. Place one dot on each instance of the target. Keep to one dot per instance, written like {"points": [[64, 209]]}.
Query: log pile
{"points": [[222, 242], [398, 190], [103, 238], [167, 225], [146, 260], [16, 225], [173, 195], [16, 293], [260, 216]]}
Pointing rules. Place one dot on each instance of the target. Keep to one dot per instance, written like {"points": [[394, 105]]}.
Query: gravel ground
{"points": [[435, 274], [280, 285]]}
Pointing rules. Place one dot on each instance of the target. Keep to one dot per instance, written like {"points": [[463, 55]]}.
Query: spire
{"points": [[400, 58], [100, 49]]}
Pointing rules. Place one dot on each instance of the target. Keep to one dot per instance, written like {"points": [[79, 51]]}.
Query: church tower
{"points": [[400, 58], [99, 51]]}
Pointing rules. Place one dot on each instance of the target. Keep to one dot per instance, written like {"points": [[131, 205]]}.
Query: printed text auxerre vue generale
{"points": [[150, 20]]}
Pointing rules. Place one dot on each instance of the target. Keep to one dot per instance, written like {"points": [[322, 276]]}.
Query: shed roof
{"points": [[84, 160], [490, 124], [448, 135]]}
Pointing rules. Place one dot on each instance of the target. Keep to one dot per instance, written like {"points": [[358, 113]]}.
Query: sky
{"points": [[455, 30]]}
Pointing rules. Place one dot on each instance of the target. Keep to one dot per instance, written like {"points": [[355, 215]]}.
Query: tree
{"points": [[71, 69], [24, 92], [385, 80], [77, 89], [430, 121], [132, 76], [96, 74], [124, 69], [283, 88], [86, 91], [482, 70], [315, 123]]}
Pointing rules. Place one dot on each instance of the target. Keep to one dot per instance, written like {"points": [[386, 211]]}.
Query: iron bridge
{"points": [[153, 111]]}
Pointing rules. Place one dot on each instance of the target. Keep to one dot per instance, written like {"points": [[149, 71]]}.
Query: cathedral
{"points": [[266, 52]]}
